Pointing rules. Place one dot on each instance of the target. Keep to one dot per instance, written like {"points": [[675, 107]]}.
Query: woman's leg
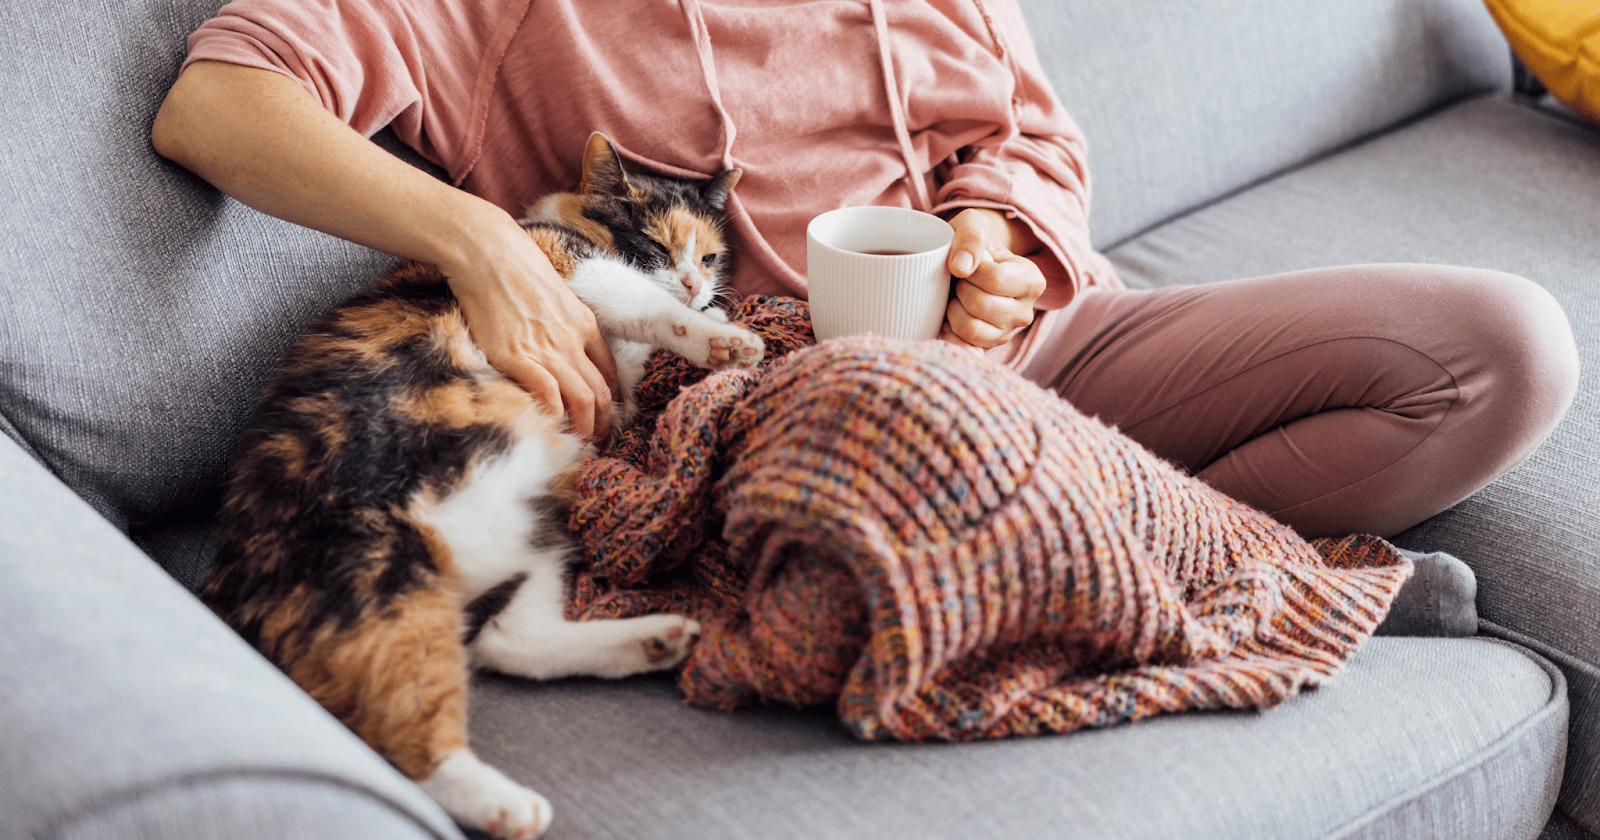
{"points": [[1343, 400]]}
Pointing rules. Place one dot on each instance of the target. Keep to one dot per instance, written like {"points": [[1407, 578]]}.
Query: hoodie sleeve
{"points": [[426, 66], [1037, 172]]}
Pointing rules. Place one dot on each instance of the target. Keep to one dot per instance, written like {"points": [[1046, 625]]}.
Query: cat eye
{"points": [[709, 259]]}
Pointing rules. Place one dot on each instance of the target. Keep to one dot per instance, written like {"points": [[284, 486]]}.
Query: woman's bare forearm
{"points": [[259, 137]]}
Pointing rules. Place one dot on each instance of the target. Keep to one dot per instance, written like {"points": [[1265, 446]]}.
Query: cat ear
{"points": [[715, 193], [602, 168]]}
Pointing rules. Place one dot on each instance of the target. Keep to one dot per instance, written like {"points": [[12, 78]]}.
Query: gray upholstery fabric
{"points": [[1442, 738], [1563, 827], [1488, 183], [271, 808], [128, 710], [143, 309], [1183, 102], [1580, 790]]}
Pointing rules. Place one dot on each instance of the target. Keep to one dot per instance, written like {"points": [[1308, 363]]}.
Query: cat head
{"points": [[668, 229]]}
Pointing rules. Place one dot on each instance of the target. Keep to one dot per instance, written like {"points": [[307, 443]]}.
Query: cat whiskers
{"points": [[724, 299]]}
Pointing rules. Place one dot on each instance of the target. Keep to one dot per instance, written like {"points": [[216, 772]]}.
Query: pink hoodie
{"points": [[934, 104]]}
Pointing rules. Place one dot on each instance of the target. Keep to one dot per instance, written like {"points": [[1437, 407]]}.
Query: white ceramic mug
{"points": [[879, 271]]}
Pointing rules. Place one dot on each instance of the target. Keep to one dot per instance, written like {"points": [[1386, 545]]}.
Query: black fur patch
{"points": [[490, 604]]}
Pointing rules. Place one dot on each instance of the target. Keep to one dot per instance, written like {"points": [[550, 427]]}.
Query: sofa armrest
{"points": [[130, 711]]}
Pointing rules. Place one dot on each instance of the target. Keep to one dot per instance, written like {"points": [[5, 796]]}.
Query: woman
{"points": [[1340, 400]]}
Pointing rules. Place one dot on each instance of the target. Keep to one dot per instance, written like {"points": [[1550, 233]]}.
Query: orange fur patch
{"points": [[289, 452], [383, 323], [398, 678], [399, 681], [674, 227], [569, 208], [550, 243], [455, 405]]}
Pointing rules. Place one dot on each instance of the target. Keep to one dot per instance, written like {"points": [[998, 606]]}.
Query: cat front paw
{"points": [[740, 351], [712, 344], [648, 643]]}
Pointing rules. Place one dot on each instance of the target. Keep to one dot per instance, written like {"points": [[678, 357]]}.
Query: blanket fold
{"points": [[947, 551]]}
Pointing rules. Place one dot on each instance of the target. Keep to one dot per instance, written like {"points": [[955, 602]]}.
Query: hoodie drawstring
{"points": [[897, 112]]}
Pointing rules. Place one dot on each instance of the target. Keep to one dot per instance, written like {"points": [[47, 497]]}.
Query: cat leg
{"points": [[532, 638], [630, 357], [478, 796], [630, 305], [398, 679]]}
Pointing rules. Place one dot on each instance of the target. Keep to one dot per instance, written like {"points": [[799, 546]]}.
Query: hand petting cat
{"points": [[995, 288], [533, 329]]}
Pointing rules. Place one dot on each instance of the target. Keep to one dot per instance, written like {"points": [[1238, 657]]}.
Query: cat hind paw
{"points": [[481, 797], [671, 645]]}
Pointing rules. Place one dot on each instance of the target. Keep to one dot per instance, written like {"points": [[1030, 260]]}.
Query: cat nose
{"points": [[692, 284]]}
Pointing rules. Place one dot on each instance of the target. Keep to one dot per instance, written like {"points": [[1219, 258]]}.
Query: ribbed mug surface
{"points": [[877, 271]]}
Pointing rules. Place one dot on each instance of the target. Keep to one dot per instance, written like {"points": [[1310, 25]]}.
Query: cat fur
{"points": [[396, 515]]}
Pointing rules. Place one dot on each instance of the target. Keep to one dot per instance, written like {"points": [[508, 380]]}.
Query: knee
{"points": [[1523, 347]]}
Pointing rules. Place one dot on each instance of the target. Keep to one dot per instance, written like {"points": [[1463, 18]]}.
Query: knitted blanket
{"points": [[944, 550]]}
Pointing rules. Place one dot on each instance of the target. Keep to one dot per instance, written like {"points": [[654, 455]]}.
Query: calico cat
{"points": [[395, 515]]}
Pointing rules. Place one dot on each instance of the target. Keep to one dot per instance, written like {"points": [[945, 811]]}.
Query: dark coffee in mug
{"points": [[889, 253]]}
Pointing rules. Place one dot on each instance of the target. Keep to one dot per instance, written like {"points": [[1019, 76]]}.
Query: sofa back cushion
{"points": [[141, 308], [1184, 102]]}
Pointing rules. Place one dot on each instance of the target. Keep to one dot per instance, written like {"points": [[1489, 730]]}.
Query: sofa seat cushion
{"points": [[1458, 738], [1490, 183], [1559, 41]]}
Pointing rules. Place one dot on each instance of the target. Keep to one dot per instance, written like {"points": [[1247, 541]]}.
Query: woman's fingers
{"points": [[600, 375], [995, 289], [945, 334], [978, 233], [969, 248], [561, 387], [970, 331], [1010, 276], [995, 301]]}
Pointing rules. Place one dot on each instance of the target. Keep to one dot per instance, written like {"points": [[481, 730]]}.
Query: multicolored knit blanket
{"points": [[945, 550]]}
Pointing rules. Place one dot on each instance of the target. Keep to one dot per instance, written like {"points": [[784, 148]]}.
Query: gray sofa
{"points": [[141, 309]]}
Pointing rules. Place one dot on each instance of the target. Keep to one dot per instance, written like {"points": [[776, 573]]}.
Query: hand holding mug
{"points": [[995, 288]]}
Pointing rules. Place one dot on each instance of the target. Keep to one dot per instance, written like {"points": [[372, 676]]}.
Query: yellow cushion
{"points": [[1559, 41]]}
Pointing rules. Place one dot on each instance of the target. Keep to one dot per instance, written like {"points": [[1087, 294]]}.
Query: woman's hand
{"points": [[995, 289], [532, 328]]}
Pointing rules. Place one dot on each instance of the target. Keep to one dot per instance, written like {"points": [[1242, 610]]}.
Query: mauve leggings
{"points": [[1343, 400]]}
